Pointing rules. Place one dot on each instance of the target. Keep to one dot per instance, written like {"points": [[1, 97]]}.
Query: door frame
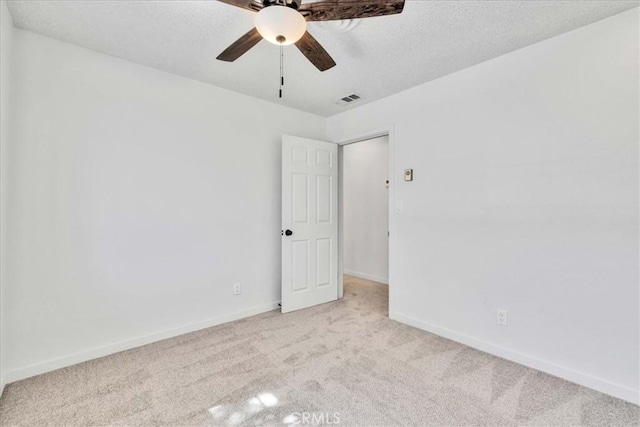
{"points": [[388, 131]]}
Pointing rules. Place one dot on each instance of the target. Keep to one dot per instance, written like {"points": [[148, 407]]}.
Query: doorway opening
{"points": [[365, 217]]}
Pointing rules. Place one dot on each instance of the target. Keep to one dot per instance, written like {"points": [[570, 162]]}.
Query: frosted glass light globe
{"points": [[280, 25]]}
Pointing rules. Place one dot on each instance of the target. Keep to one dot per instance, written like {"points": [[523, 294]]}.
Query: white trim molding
{"points": [[379, 279], [551, 368], [83, 356]]}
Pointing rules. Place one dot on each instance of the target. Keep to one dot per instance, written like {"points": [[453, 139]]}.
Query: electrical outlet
{"points": [[237, 290], [502, 317]]}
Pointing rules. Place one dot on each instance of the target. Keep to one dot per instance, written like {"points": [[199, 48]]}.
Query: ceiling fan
{"points": [[284, 22]]}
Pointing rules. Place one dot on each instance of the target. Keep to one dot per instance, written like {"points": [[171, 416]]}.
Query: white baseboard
{"points": [[379, 279], [83, 356], [568, 374]]}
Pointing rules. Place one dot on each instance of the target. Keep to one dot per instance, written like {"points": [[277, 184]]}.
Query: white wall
{"points": [[365, 207], [139, 198], [525, 198], [6, 33], [134, 225]]}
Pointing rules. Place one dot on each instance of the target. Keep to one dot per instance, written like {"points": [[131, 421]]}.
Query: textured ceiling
{"points": [[378, 57]]}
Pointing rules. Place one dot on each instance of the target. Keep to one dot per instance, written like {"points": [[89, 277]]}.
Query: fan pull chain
{"points": [[281, 70]]}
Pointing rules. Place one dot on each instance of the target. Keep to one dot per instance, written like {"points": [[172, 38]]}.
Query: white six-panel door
{"points": [[309, 222]]}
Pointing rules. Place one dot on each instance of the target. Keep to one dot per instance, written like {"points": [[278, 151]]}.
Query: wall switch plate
{"points": [[237, 290], [408, 174], [502, 317]]}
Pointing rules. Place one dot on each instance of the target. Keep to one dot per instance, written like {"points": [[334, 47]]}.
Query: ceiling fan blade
{"points": [[330, 10], [315, 52], [252, 5], [240, 46]]}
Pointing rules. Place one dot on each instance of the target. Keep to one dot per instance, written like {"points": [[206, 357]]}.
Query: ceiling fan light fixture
{"points": [[280, 25]]}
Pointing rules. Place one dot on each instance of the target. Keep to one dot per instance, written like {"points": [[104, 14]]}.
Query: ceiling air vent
{"points": [[349, 99]]}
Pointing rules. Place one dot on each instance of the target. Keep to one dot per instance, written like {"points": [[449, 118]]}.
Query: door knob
{"points": [[288, 233]]}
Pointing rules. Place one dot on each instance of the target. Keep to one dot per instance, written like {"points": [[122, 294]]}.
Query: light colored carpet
{"points": [[340, 363]]}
